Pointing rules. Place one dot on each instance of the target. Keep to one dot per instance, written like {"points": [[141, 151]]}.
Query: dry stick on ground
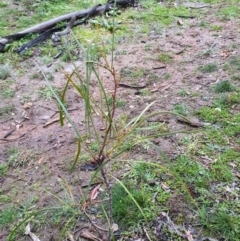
{"points": [[6, 120], [15, 139], [9, 132]]}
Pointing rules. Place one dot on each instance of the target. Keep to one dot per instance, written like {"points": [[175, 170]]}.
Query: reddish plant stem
{"points": [[101, 157]]}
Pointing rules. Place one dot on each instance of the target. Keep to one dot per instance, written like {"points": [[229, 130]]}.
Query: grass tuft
{"points": [[208, 68], [124, 210], [165, 58], [224, 86], [7, 216], [5, 72]]}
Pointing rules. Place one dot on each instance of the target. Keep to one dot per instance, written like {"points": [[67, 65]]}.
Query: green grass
{"points": [[120, 103], [183, 93], [165, 58], [46, 94], [5, 199], [192, 172], [235, 77], [19, 158], [180, 109], [140, 183], [8, 93], [8, 216], [207, 180], [5, 72], [234, 62], [222, 222], [213, 114], [6, 110], [208, 68], [123, 204], [94, 147], [224, 86], [3, 4], [216, 28], [25, 99], [132, 75], [229, 12], [3, 169]]}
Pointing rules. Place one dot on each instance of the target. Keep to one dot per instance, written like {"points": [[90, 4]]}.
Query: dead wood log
{"points": [[49, 26]]}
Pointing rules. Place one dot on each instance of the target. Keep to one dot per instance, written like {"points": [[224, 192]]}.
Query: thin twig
{"points": [[15, 139], [9, 132], [6, 120], [51, 122], [146, 233], [160, 67]]}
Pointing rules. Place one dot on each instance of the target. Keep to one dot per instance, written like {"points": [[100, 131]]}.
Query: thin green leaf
{"points": [[60, 103], [77, 156]]}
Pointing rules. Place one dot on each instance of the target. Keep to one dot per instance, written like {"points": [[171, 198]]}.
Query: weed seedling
{"points": [[8, 215], [208, 68], [236, 77], [46, 93], [225, 223], [25, 99], [6, 89], [3, 169], [4, 72], [224, 86], [216, 28], [183, 93], [180, 109], [165, 58], [235, 62], [8, 109], [166, 76]]}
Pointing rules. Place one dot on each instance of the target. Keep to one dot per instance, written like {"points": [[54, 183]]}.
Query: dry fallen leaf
{"points": [[233, 165], [40, 160], [114, 227], [164, 186], [32, 235], [86, 234], [224, 54], [189, 235], [71, 237], [180, 22], [238, 174], [18, 126], [94, 192], [228, 189], [27, 105]]}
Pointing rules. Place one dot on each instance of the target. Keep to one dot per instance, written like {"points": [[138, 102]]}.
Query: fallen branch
{"points": [[9, 132], [51, 122], [15, 139], [190, 123], [46, 29]]}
